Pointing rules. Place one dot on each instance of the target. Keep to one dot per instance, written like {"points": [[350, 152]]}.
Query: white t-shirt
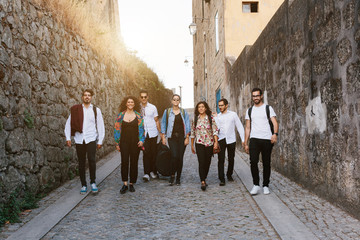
{"points": [[227, 123], [149, 113], [260, 127]]}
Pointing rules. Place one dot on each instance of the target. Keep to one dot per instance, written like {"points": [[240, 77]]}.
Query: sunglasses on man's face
{"points": [[143, 97], [254, 96]]}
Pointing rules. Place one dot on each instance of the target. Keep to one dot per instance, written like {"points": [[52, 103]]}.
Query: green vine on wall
{"points": [[11, 209], [29, 119]]}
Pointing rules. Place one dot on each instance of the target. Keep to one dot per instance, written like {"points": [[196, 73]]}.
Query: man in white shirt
{"points": [[262, 127], [227, 121], [152, 129], [86, 124]]}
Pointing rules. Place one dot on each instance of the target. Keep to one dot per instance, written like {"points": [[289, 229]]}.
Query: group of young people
{"points": [[138, 126]]}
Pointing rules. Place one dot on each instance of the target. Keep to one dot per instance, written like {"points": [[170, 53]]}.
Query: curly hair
{"points": [[123, 107], [207, 112]]}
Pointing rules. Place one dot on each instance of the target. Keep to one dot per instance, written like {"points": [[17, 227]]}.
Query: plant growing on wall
{"points": [[28, 119], [10, 210]]}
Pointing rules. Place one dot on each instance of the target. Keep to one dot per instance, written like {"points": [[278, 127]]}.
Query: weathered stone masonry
{"points": [[307, 60], [43, 70]]}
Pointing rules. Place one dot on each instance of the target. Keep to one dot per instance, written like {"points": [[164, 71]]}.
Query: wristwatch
{"points": [[276, 134]]}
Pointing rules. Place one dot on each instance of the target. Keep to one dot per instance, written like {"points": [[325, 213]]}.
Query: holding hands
{"points": [[118, 147], [193, 149]]}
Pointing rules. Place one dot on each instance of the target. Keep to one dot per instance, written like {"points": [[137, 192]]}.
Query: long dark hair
{"points": [[207, 111], [123, 107]]}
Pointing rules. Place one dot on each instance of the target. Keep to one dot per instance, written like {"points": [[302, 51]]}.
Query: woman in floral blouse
{"points": [[129, 137], [204, 133]]}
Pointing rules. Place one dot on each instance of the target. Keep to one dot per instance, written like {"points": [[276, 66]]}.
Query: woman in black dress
{"points": [[129, 137]]}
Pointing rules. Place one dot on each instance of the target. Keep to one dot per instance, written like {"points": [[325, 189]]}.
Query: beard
{"points": [[257, 101], [86, 100]]}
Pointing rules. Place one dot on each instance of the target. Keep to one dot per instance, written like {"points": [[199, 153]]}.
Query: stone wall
{"points": [[43, 70], [307, 61], [106, 11]]}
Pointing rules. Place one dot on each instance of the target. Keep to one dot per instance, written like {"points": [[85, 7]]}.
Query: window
{"points": [[202, 9], [217, 32], [218, 97], [205, 71], [250, 7]]}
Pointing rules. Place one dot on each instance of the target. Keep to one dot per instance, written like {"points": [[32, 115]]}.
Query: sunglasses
{"points": [[254, 96], [143, 97]]}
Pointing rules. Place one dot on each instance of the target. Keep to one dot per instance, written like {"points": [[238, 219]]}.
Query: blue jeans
{"points": [[177, 149]]}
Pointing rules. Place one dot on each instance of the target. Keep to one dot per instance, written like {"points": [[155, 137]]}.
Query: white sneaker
{"points": [[146, 177], [83, 190], [94, 188], [255, 190], [266, 190], [153, 175]]}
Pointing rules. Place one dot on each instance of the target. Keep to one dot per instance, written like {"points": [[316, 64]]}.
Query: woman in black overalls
{"points": [[129, 137]]}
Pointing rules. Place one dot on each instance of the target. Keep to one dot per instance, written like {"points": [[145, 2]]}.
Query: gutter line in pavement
{"points": [[286, 224]]}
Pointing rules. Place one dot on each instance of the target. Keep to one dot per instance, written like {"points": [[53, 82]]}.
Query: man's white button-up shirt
{"points": [[227, 123], [89, 133], [149, 113]]}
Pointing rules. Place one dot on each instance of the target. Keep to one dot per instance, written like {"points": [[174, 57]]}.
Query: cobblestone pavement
{"points": [[48, 200], [323, 219], [159, 211]]}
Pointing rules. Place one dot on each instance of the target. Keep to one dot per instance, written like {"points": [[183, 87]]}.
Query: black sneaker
{"points": [[124, 189], [230, 179], [132, 189], [222, 183], [178, 183], [171, 181]]}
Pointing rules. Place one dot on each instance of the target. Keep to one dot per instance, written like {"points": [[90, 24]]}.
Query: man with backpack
{"points": [[86, 124], [262, 128]]}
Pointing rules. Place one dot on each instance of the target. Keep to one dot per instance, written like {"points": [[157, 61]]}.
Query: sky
{"points": [[158, 30]]}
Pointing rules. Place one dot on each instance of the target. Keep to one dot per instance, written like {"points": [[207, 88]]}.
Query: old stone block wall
{"points": [[307, 60], [43, 70]]}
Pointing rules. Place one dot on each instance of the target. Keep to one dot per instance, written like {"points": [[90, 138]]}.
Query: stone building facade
{"points": [[307, 60], [44, 67], [224, 28]]}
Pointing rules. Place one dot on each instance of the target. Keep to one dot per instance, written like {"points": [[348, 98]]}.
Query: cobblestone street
{"points": [[159, 211]]}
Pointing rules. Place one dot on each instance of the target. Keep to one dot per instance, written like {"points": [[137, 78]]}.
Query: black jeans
{"points": [[90, 150], [221, 159], [129, 154], [264, 147], [149, 158], [204, 155], [177, 148]]}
